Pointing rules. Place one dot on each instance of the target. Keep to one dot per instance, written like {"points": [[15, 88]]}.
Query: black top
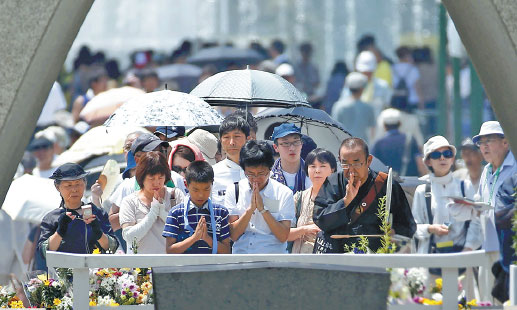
{"points": [[331, 215]]}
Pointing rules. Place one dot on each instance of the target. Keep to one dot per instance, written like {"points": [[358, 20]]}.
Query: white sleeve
{"points": [[419, 210], [138, 230], [229, 200], [287, 212]]}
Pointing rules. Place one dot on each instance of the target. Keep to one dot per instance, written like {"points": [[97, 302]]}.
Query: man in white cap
{"points": [[396, 149], [501, 166], [377, 92], [286, 71], [355, 115]]}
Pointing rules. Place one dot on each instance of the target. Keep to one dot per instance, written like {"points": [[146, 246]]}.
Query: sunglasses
{"points": [[179, 169], [438, 155]]}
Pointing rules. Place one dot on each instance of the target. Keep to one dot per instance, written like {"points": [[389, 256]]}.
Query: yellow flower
{"points": [[137, 270], [146, 286], [430, 302], [473, 302], [113, 304], [47, 282], [96, 251], [438, 282], [57, 301], [16, 304], [42, 277], [93, 303]]}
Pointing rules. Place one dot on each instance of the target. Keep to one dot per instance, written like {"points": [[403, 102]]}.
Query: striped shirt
{"points": [[175, 226]]}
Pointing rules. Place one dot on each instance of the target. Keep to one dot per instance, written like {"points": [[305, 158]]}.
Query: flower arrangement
{"points": [[113, 287], [406, 284], [8, 298], [45, 292]]}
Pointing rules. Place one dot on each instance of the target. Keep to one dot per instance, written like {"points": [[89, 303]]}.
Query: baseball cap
{"points": [[284, 130], [146, 143], [391, 116], [40, 143], [170, 131], [284, 70], [366, 62], [356, 80]]}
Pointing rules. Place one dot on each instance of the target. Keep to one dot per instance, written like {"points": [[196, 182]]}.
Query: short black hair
{"points": [[199, 172], [246, 115], [403, 51], [323, 156], [278, 46], [232, 122], [352, 143], [256, 153]]}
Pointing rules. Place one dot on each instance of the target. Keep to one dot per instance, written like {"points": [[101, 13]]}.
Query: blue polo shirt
{"points": [[175, 225]]}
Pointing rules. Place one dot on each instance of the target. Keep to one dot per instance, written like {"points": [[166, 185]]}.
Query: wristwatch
{"points": [[263, 211]]}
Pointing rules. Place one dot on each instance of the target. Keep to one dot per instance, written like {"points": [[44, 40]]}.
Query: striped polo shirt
{"points": [[175, 225]]}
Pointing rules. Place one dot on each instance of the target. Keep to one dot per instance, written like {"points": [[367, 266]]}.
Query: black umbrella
{"points": [[222, 56], [315, 123], [249, 88]]}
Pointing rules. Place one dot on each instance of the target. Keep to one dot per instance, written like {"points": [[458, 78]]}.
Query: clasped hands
{"points": [[256, 200]]}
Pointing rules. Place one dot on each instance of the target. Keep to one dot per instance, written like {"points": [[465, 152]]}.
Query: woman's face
{"points": [[180, 164], [72, 191], [154, 182], [319, 171], [442, 165]]}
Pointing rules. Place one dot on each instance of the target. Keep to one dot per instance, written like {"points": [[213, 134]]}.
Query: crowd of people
{"points": [[198, 192]]}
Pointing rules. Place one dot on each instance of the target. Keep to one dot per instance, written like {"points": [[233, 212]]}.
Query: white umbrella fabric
{"points": [[165, 108], [100, 107], [30, 198], [249, 87]]}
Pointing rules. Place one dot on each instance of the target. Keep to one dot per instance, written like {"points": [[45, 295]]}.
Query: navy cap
{"points": [[284, 130], [69, 172], [146, 143], [40, 143], [131, 163], [170, 131]]}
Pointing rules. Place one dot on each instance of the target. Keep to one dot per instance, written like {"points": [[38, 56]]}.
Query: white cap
{"points": [[206, 143], [366, 62], [356, 80], [285, 70], [489, 128], [390, 116], [435, 143]]}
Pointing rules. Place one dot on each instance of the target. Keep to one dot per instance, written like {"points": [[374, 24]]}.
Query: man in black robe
{"points": [[348, 202]]}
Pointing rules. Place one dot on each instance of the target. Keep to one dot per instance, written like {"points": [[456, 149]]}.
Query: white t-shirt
{"points": [[258, 238], [290, 179], [226, 172]]}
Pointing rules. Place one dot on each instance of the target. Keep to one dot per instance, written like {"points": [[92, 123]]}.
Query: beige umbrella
{"points": [[97, 141], [30, 198], [100, 107]]}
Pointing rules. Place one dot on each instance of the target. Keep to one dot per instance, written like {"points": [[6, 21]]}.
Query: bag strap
{"points": [[236, 185], [298, 206], [462, 186], [374, 189], [427, 196]]}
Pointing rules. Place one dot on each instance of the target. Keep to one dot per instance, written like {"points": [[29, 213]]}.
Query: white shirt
{"points": [[178, 181], [441, 187], [488, 188], [226, 172], [258, 238]]}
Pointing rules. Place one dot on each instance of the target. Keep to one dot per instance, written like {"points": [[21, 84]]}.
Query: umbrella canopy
{"points": [[249, 87], [186, 76], [30, 198], [104, 104], [222, 56], [165, 108], [97, 141], [315, 123]]}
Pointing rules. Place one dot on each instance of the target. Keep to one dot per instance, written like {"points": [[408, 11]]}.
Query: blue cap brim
{"points": [[131, 163]]}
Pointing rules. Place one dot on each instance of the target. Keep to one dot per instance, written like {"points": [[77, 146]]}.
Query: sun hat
{"points": [[435, 143], [356, 80], [489, 128], [69, 172], [284, 70], [206, 143], [366, 62], [391, 116]]}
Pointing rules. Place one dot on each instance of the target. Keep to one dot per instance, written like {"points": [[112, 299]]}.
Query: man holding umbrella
{"points": [[348, 202], [288, 169]]}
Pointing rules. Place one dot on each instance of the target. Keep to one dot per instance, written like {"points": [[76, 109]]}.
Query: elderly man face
{"points": [[355, 161], [494, 148]]}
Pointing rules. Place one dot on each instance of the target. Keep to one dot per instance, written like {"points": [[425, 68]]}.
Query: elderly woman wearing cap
{"points": [[437, 231], [75, 227]]}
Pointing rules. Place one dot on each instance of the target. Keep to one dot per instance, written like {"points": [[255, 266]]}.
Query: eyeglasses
{"points": [[438, 155], [480, 142], [289, 144], [258, 176], [179, 169], [354, 165]]}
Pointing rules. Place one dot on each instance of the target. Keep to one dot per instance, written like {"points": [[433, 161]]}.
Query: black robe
{"points": [[332, 217]]}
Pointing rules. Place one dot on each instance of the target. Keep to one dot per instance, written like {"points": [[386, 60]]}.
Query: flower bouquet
{"points": [[43, 291]]}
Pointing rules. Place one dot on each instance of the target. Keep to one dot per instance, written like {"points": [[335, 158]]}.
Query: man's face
{"points": [[257, 175], [493, 147], [354, 161], [472, 158], [232, 142], [44, 154], [289, 148]]}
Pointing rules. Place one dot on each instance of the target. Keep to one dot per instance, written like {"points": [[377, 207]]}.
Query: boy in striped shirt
{"points": [[189, 228]]}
